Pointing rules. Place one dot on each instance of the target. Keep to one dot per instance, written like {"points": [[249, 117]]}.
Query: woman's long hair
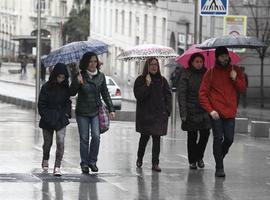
{"points": [[146, 67], [85, 60]]}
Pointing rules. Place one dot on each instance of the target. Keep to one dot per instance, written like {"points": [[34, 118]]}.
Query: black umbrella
{"points": [[232, 41]]}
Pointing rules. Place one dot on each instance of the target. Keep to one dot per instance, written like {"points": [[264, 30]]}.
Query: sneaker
{"points": [[220, 173], [139, 163], [45, 165], [85, 170], [93, 167], [200, 164], [57, 172], [156, 168], [192, 166]]}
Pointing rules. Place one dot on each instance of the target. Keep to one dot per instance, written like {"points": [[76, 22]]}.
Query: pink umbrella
{"points": [[209, 55]]}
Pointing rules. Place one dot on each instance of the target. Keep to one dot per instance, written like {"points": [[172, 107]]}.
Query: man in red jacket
{"points": [[218, 96]]}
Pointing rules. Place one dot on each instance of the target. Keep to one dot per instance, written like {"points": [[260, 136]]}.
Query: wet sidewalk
{"points": [[247, 166]]}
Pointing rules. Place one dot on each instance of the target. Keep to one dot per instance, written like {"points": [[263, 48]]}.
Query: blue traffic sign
{"points": [[213, 7]]}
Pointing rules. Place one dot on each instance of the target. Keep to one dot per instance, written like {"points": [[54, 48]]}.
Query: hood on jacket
{"points": [[59, 68]]}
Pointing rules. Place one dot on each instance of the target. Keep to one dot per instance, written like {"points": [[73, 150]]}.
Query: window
{"points": [[154, 29], [249, 2], [130, 24], [116, 20], [145, 27], [123, 22]]}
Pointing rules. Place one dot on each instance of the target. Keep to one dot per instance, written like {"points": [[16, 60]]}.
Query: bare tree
{"points": [[258, 13]]}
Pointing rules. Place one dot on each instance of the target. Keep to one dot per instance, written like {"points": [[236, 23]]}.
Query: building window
{"points": [[42, 4], [123, 22], [116, 20], [130, 24], [164, 21], [145, 27], [154, 29]]}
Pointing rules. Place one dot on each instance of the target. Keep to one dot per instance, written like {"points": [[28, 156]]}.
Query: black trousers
{"points": [[155, 148], [196, 148]]}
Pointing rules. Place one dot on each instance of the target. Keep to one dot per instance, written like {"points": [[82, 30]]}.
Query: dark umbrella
{"points": [[232, 41]]}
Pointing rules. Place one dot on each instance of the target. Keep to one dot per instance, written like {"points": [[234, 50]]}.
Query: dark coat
{"points": [[89, 94], [153, 105], [54, 104], [193, 116]]}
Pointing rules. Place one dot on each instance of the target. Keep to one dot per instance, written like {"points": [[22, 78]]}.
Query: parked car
{"points": [[115, 92]]}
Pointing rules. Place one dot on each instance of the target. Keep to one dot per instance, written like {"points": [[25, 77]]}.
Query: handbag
{"points": [[104, 120]]}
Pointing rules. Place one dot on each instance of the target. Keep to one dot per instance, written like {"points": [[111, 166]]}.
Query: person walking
{"points": [[175, 77], [195, 120], [218, 96], [153, 108], [54, 107], [90, 83]]}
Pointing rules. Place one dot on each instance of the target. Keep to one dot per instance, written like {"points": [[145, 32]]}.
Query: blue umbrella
{"points": [[73, 52]]}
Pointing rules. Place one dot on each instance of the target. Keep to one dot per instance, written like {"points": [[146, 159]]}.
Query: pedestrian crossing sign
{"points": [[213, 7]]}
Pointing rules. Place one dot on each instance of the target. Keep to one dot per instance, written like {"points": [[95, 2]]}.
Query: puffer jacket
{"points": [[89, 93], [54, 104], [195, 117]]}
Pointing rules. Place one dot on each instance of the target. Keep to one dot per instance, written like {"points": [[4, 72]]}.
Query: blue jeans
{"points": [[89, 153], [223, 132]]}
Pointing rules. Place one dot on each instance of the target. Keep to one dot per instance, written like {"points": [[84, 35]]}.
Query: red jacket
{"points": [[219, 92]]}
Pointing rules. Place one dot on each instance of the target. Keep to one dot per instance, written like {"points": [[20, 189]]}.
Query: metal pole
{"points": [[173, 118], [200, 29], [38, 56], [195, 20], [90, 19], [212, 26]]}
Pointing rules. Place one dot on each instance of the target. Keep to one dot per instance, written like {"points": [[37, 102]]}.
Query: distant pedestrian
{"points": [[42, 72], [175, 77], [153, 96], [54, 107], [23, 64], [218, 96], [195, 120], [90, 83]]}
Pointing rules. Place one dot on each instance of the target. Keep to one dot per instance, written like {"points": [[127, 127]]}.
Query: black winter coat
{"points": [[89, 94], [54, 107], [195, 117], [153, 105]]}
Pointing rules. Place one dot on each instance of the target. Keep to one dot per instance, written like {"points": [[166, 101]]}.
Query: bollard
{"points": [[173, 116]]}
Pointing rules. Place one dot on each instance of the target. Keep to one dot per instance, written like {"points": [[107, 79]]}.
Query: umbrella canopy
{"points": [[209, 56], [73, 52], [232, 41], [144, 51]]}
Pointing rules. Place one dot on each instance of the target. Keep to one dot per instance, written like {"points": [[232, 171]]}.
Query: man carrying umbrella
{"points": [[218, 96]]}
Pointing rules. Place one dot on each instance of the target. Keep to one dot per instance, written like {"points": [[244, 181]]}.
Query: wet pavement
{"points": [[247, 166]]}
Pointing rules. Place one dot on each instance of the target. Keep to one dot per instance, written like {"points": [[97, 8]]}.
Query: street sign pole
{"points": [[38, 56]]}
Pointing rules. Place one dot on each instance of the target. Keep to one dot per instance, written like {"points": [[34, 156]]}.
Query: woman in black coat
{"points": [[195, 120], [54, 107], [153, 109]]}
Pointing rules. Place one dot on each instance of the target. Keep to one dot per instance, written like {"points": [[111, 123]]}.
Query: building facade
{"points": [[126, 23], [18, 25]]}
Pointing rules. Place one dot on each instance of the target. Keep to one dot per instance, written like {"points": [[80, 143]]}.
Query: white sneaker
{"points": [[45, 165], [57, 171]]}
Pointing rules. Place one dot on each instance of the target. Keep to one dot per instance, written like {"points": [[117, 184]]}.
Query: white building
{"points": [[123, 24], [18, 22]]}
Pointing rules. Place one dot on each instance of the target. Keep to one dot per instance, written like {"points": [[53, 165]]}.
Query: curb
{"points": [[128, 116]]}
